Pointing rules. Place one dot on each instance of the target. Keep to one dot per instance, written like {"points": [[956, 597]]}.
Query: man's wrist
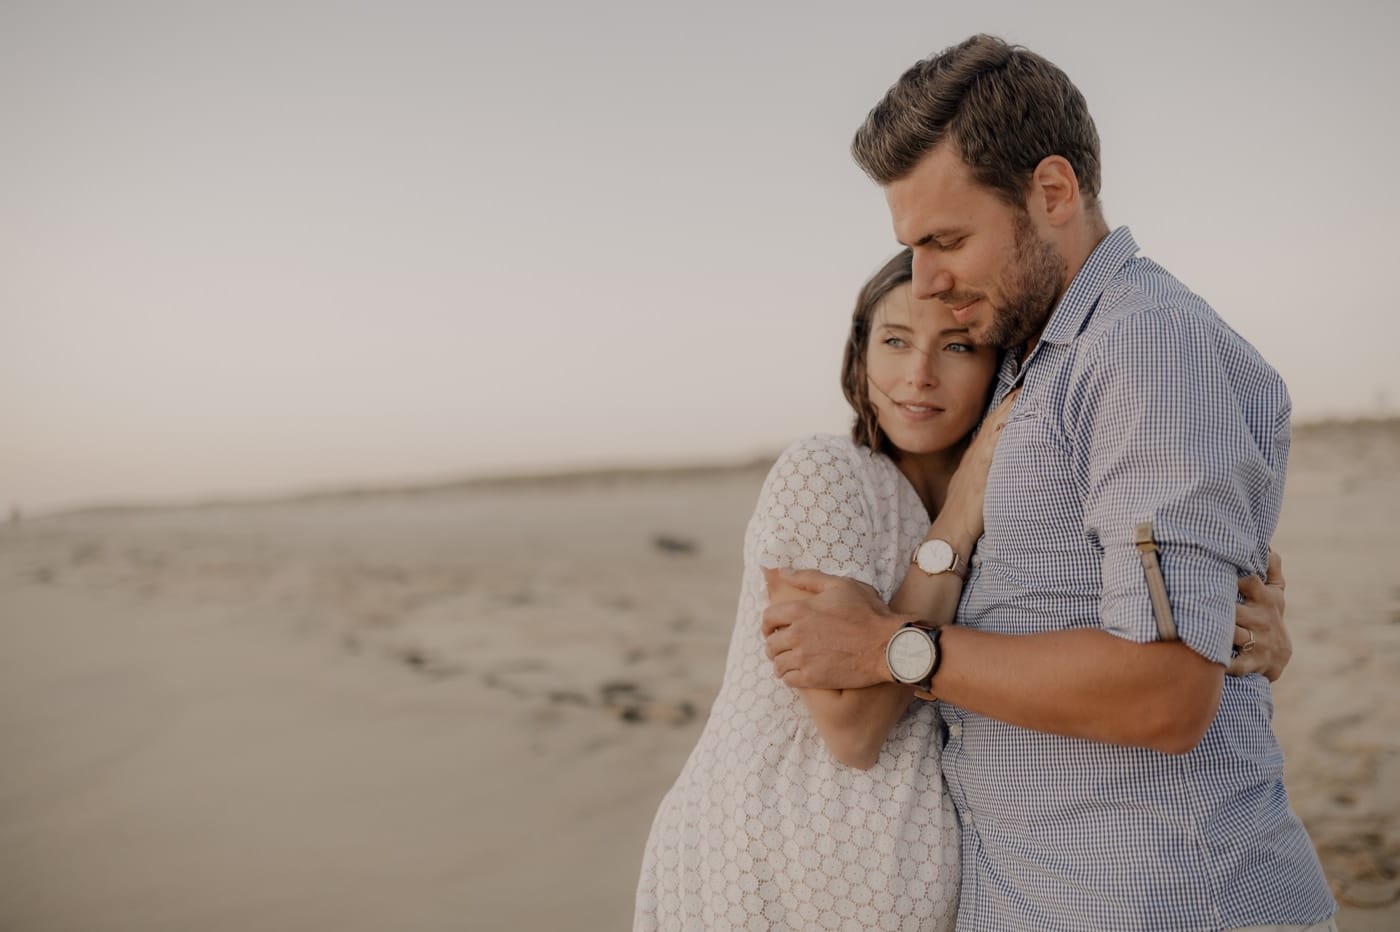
{"points": [[889, 625]]}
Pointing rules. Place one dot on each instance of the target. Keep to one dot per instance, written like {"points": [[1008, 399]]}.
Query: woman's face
{"points": [[927, 380]]}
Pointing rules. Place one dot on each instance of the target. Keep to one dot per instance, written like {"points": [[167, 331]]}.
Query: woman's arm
{"points": [[854, 723]]}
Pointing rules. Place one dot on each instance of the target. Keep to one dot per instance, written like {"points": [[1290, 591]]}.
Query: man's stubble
{"points": [[1033, 285]]}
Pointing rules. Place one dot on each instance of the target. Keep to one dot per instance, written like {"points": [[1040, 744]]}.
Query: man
{"points": [[1138, 405]]}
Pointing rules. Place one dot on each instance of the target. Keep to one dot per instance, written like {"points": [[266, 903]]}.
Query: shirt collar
{"points": [[1083, 293]]}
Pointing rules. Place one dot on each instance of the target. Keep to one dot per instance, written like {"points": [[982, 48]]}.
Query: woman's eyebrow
{"points": [[945, 332]]}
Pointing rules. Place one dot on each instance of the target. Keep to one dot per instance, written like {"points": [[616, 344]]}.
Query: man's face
{"points": [[980, 256]]}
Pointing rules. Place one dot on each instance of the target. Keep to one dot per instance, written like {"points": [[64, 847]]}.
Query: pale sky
{"points": [[257, 247]]}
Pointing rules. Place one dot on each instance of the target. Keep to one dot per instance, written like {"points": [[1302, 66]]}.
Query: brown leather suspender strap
{"points": [[1156, 585]]}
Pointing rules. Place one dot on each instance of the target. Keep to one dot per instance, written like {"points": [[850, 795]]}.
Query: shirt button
{"points": [[955, 731]]}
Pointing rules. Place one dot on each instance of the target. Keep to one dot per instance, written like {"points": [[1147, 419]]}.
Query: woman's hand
{"points": [[961, 514], [1262, 644]]}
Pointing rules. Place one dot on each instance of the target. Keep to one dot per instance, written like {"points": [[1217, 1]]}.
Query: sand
{"points": [[457, 708]]}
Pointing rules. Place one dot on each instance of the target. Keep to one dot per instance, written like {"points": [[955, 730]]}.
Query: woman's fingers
{"points": [[1275, 573], [1261, 640], [1264, 602], [1245, 664], [1009, 401], [1002, 413], [1252, 588]]}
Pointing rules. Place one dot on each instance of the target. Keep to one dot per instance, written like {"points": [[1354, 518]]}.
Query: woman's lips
{"points": [[918, 412]]}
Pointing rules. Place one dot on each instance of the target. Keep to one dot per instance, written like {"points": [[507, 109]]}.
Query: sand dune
{"points": [[457, 708]]}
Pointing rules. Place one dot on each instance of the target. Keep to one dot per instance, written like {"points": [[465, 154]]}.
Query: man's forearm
{"points": [[1083, 684]]}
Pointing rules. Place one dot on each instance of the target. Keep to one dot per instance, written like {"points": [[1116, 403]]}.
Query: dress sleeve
{"points": [[814, 511], [1168, 436]]}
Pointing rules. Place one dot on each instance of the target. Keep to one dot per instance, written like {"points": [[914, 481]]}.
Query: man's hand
{"points": [[833, 640], [1261, 640]]}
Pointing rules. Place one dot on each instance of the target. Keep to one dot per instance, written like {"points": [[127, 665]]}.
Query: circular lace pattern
{"points": [[764, 830]]}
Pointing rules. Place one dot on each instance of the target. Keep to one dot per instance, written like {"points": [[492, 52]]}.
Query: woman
{"points": [[807, 809]]}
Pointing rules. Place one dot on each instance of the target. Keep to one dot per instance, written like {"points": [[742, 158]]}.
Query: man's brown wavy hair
{"points": [[1004, 109]]}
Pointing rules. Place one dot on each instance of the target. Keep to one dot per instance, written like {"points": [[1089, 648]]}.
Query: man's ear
{"points": [[1055, 190]]}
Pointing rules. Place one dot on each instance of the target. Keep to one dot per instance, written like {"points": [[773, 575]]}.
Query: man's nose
{"points": [[931, 277]]}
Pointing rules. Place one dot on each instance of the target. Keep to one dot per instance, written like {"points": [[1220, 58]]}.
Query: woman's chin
{"points": [[926, 443]]}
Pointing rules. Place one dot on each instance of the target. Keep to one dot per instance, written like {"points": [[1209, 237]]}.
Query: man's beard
{"points": [[1032, 288]]}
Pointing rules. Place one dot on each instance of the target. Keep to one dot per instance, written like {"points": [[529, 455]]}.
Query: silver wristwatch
{"points": [[913, 655]]}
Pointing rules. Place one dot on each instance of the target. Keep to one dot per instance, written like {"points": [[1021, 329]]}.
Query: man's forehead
{"points": [[935, 194]]}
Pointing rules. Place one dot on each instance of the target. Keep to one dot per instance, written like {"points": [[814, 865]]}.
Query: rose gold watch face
{"points": [[935, 556]]}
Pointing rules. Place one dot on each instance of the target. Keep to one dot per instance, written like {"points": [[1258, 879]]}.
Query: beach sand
{"points": [[457, 708]]}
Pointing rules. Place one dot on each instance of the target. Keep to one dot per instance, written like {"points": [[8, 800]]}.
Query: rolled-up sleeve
{"points": [[1165, 436]]}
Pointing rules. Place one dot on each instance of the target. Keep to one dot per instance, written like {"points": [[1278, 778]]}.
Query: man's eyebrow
{"points": [[928, 238]]}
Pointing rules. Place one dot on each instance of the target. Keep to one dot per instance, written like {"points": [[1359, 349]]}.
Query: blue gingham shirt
{"points": [[1139, 404]]}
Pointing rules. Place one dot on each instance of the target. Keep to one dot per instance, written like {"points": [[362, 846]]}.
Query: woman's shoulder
{"points": [[839, 466], [826, 505], [833, 450], [827, 463], [833, 458]]}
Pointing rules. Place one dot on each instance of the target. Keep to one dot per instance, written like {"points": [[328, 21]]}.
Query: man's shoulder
{"points": [[1147, 314], [1144, 295]]}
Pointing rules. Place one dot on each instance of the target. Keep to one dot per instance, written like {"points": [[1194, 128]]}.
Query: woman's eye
{"points": [[896, 342], [959, 347]]}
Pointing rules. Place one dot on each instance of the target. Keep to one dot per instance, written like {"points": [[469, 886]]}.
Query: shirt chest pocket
{"points": [[1034, 501]]}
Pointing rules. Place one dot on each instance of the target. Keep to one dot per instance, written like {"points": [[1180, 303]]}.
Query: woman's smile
{"points": [[918, 412]]}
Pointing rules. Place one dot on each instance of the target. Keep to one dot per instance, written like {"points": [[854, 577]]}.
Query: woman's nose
{"points": [[922, 371]]}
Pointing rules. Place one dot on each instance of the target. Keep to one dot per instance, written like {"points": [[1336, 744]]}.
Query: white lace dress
{"points": [[763, 828]]}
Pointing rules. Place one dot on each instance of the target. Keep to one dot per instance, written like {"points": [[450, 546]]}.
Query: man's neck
{"points": [[1077, 245]]}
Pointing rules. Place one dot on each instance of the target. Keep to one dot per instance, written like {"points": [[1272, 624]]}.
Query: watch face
{"points": [[935, 556], [910, 655]]}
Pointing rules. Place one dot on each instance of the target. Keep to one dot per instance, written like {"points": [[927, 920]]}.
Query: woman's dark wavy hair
{"points": [[855, 377]]}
